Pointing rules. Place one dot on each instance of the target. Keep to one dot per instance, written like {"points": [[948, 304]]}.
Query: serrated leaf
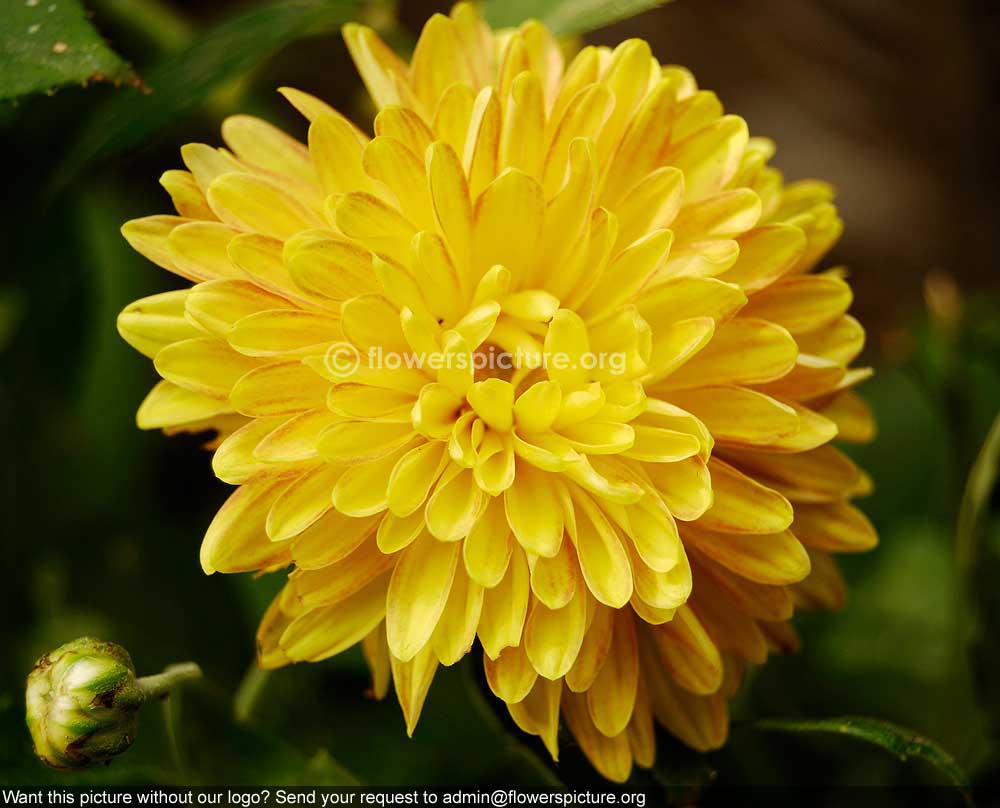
{"points": [[45, 45], [183, 80], [899, 741], [566, 17]]}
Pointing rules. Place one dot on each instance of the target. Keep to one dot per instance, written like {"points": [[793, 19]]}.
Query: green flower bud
{"points": [[83, 702]]}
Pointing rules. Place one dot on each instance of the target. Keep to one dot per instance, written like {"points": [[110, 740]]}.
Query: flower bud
{"points": [[83, 702]]}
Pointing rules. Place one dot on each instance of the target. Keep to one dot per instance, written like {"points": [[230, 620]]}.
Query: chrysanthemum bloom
{"points": [[544, 362]]}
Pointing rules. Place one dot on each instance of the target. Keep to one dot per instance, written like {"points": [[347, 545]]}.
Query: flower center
{"points": [[491, 361]]}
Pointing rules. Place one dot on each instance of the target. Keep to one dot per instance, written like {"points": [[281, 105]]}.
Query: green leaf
{"points": [[45, 44], [979, 488], [899, 741], [566, 17], [183, 80]]}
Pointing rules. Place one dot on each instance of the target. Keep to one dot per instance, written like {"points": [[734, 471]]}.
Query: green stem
{"points": [[161, 684], [248, 693]]}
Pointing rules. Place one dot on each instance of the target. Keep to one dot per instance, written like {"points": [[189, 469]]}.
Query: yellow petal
{"points": [[686, 487], [376, 654], [495, 464], [840, 342], [661, 591], [802, 303], [295, 438], [186, 195], [628, 273], [686, 297], [688, 653], [739, 416], [363, 490], [308, 105], [836, 527], [583, 117], [283, 388], [482, 143], [437, 60], [456, 630], [554, 580], [236, 540], [743, 505], [436, 410], [511, 675], [538, 713], [218, 305], [148, 237], [452, 205], [655, 445], [821, 475], [521, 140], [610, 756], [371, 321], [641, 731], [376, 63], [651, 205], [744, 351], [710, 156], [391, 162], [327, 631], [603, 559], [334, 582], [251, 203], [534, 511], [594, 651], [760, 601], [507, 225], [676, 344], [774, 559], [168, 405], [853, 417], [824, 588], [412, 680], [639, 152], [413, 476], [405, 126], [702, 722], [567, 338], [352, 442], [418, 593], [302, 503], [654, 533], [505, 607], [283, 331], [718, 216], [766, 253], [536, 408], [154, 322], [612, 697], [330, 539], [329, 268], [454, 506], [488, 547], [376, 224], [203, 365], [552, 637], [258, 143], [395, 533]]}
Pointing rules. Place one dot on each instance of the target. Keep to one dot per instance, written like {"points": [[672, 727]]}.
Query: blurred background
{"points": [[897, 107]]}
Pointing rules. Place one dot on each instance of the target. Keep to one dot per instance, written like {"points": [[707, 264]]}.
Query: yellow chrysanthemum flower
{"points": [[542, 363]]}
